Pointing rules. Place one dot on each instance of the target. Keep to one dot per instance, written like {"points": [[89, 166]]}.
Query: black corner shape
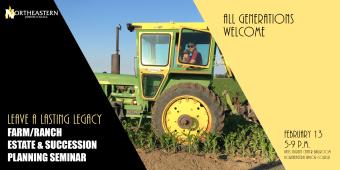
{"points": [[43, 71]]}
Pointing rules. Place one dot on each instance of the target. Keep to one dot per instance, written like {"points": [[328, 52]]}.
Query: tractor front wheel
{"points": [[187, 109]]}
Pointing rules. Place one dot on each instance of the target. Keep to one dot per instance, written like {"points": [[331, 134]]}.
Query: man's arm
{"points": [[195, 57]]}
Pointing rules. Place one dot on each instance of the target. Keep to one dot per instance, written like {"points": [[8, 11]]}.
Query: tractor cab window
{"points": [[155, 49], [194, 47]]}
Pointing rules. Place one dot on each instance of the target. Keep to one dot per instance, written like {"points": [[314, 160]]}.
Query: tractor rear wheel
{"points": [[187, 108]]}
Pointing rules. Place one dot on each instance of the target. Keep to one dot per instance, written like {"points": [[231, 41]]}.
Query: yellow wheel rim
{"points": [[186, 115]]}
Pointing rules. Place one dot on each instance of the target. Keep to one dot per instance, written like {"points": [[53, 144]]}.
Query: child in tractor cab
{"points": [[186, 56]]}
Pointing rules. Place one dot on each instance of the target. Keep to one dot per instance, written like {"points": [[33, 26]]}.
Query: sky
{"points": [[92, 23]]}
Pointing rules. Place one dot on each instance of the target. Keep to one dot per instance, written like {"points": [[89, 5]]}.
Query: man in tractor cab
{"points": [[195, 56]]}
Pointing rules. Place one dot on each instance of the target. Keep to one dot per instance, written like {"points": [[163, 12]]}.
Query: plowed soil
{"points": [[160, 160]]}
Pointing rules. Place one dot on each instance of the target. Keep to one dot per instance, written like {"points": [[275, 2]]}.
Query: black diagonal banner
{"points": [[52, 107]]}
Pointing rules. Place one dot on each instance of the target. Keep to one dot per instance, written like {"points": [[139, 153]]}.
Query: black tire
{"points": [[207, 96]]}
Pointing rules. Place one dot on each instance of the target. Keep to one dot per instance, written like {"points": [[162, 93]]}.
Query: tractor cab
{"points": [[169, 52]]}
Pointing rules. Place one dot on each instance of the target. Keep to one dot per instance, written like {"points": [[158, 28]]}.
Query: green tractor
{"points": [[172, 86]]}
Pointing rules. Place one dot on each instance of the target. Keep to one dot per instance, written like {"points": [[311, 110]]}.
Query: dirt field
{"points": [[159, 160]]}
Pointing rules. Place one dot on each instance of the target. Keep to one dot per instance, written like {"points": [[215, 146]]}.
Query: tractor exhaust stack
{"points": [[115, 58]]}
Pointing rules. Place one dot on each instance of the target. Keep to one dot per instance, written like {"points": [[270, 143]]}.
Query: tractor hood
{"points": [[116, 79]]}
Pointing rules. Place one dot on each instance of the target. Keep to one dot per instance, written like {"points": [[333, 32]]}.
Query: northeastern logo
{"points": [[29, 14], [10, 13]]}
